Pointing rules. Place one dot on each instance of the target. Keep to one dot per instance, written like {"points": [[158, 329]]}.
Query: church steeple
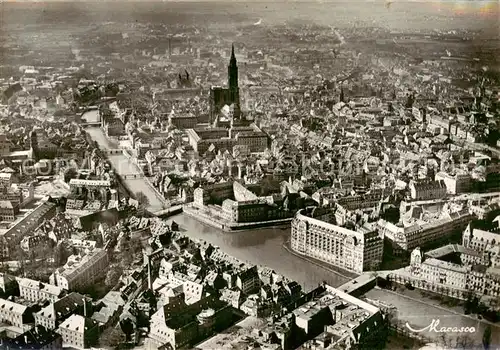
{"points": [[233, 57], [232, 71], [233, 89]]}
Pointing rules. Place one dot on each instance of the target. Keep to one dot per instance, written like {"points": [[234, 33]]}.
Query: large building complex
{"points": [[356, 251], [201, 139], [15, 234], [408, 236], [445, 277], [337, 320], [197, 321], [80, 272]]}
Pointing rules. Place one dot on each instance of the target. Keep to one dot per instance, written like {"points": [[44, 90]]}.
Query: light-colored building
{"points": [[15, 314], [79, 332], [12, 238], [248, 281], [455, 184], [177, 325], [56, 312], [36, 291], [406, 237], [80, 272], [425, 190], [448, 278], [480, 240], [8, 210], [338, 320], [356, 251], [436, 271]]}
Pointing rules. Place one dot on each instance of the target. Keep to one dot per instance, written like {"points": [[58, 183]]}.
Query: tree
{"points": [[111, 338], [135, 246], [142, 199], [61, 254], [113, 276], [69, 174], [127, 327], [487, 338]]}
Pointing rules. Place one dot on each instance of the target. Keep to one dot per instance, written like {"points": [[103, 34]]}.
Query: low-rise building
{"points": [[36, 291], [8, 210], [455, 184], [425, 190], [38, 338], [56, 312], [19, 316], [79, 332]]}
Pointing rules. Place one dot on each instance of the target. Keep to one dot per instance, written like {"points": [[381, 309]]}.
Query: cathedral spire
{"points": [[232, 61], [232, 71]]}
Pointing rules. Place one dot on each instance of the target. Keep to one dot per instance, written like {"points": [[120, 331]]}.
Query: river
{"points": [[124, 166], [266, 247]]}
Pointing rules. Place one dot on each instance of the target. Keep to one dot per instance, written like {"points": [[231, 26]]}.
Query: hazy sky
{"points": [[321, 1]]}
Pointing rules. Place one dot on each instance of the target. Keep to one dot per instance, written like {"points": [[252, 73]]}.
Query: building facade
{"points": [[356, 251], [81, 272], [79, 332], [408, 237], [36, 291], [425, 190], [15, 314], [447, 278]]}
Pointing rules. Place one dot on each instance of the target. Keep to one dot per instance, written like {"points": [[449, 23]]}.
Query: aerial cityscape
{"points": [[250, 175]]}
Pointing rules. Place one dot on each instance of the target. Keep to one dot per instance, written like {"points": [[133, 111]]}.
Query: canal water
{"points": [[265, 247], [262, 246]]}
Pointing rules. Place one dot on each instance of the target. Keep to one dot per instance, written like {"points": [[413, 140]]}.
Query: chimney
{"points": [[84, 307], [150, 282]]}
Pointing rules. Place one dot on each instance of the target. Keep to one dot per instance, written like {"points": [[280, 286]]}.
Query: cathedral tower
{"points": [[230, 95], [234, 90]]}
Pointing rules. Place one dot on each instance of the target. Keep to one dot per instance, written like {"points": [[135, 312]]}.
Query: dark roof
{"points": [[188, 314], [109, 216], [249, 273], [36, 338], [11, 90], [63, 307]]}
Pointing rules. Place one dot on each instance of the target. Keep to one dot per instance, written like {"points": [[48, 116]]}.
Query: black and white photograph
{"points": [[250, 174]]}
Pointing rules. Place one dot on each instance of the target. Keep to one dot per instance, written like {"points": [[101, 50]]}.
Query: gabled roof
{"points": [[77, 323], [63, 307]]}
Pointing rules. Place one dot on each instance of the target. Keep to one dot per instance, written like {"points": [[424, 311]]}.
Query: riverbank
{"points": [[227, 226], [125, 166]]}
